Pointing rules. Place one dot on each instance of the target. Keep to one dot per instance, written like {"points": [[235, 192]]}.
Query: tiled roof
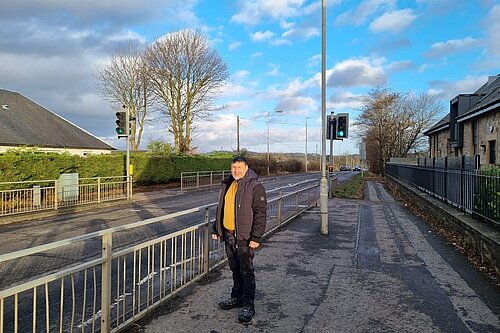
{"points": [[23, 122]]}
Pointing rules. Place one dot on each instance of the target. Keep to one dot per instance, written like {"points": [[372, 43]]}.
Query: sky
{"points": [[52, 50]]}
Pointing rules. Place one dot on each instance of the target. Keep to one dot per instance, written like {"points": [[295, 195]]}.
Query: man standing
{"points": [[240, 223]]}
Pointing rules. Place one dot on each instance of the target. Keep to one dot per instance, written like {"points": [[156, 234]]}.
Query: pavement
{"points": [[379, 269]]}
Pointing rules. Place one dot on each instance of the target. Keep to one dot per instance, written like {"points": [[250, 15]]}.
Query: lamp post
{"points": [[323, 195], [306, 143], [268, 135]]}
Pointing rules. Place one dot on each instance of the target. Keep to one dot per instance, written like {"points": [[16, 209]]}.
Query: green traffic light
{"points": [[340, 133], [120, 130]]}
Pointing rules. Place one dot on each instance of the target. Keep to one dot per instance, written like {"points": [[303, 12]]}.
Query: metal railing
{"points": [[197, 179], [466, 189], [32, 196], [112, 286]]}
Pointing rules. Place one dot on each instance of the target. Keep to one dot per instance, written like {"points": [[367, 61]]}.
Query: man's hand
{"points": [[253, 245], [214, 236]]}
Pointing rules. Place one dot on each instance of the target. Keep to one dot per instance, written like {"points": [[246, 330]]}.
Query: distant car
{"points": [[356, 168], [345, 168]]}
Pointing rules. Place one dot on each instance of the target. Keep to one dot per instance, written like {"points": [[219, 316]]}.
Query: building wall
{"points": [[439, 144], [80, 152], [488, 128]]}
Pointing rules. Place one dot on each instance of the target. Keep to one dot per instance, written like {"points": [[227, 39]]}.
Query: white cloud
{"points": [[397, 66], [363, 11], [396, 20], [261, 36], [281, 41], [253, 11], [242, 74], [444, 49], [234, 45], [232, 89], [274, 70], [346, 100], [493, 31], [314, 61], [301, 33], [358, 72], [447, 90], [256, 55]]}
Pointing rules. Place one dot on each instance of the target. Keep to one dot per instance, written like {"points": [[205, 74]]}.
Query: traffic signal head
{"points": [[121, 123], [342, 126]]}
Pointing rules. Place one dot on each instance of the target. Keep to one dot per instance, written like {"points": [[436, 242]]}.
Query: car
{"points": [[345, 168], [356, 168]]}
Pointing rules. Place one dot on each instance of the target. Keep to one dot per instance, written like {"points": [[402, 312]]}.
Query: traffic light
{"points": [[341, 130], [121, 124], [331, 127]]}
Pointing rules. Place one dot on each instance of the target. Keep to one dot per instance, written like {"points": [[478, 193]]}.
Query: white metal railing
{"points": [[32, 196], [109, 290], [197, 179]]}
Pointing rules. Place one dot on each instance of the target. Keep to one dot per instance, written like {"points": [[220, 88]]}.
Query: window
{"points": [[492, 152], [474, 138]]}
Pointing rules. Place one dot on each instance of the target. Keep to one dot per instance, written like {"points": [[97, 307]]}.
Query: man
{"points": [[240, 223]]}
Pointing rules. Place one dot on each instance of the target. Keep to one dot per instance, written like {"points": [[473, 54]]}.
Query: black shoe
{"points": [[230, 303], [246, 313]]}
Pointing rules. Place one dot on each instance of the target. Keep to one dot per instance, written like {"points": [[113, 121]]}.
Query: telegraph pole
{"points": [[323, 188]]}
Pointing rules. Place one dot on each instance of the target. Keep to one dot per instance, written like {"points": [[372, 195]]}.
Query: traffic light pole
{"points": [[129, 181]]}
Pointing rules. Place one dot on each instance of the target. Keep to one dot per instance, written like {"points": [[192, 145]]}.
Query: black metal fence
{"points": [[466, 189]]}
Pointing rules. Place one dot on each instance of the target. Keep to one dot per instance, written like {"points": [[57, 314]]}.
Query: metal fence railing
{"points": [[32, 196], [466, 189], [197, 179], [109, 285]]}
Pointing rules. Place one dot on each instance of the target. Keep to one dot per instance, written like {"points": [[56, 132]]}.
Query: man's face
{"points": [[238, 169]]}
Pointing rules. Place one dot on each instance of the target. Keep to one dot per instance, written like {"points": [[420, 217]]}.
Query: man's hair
{"points": [[239, 159]]}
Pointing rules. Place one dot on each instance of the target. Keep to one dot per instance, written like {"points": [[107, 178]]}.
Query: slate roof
{"points": [[442, 124], [24, 122]]}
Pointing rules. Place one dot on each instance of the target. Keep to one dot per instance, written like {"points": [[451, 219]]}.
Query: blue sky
{"points": [[50, 52]]}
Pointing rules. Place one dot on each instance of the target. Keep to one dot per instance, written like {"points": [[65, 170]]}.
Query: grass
{"points": [[351, 189]]}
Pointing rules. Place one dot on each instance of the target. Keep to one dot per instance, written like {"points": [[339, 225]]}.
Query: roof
{"points": [[491, 91], [440, 125], [25, 123]]}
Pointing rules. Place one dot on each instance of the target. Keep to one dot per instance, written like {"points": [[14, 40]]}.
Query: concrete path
{"points": [[380, 269]]}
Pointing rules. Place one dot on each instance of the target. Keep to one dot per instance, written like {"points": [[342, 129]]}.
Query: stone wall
{"points": [[480, 240]]}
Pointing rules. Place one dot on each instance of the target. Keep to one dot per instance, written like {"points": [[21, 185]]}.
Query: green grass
{"points": [[352, 189]]}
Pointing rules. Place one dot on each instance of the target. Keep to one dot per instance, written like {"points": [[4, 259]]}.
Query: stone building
{"points": [[472, 126]]}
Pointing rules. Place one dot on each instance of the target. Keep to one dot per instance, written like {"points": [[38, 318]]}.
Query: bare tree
{"points": [[394, 122], [125, 82], [186, 74]]}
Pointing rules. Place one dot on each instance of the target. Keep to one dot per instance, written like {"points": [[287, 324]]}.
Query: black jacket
{"points": [[250, 209]]}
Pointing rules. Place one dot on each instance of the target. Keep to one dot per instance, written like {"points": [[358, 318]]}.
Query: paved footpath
{"points": [[380, 269]]}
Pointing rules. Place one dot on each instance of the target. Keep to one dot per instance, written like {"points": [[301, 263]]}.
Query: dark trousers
{"points": [[240, 260]]}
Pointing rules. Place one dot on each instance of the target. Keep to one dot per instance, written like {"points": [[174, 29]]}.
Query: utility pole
{"points": [[323, 195], [268, 133], [238, 134]]}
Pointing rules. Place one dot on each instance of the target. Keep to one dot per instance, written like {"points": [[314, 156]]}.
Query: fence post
{"points": [[182, 186], [56, 194], [211, 175], [297, 199], [107, 239], [98, 189], [197, 180], [206, 241], [280, 208]]}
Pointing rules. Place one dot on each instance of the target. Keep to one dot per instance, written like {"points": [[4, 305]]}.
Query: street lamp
{"points": [[306, 143], [268, 134]]}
